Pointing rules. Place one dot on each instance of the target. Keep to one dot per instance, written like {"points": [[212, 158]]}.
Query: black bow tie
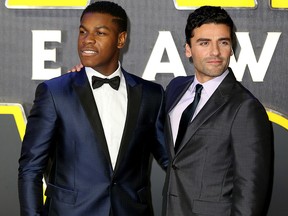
{"points": [[98, 82]]}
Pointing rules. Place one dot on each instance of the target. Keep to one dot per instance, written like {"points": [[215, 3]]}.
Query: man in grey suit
{"points": [[221, 160]]}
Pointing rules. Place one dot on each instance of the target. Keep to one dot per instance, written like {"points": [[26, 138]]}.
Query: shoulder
{"points": [[246, 103], [243, 93], [146, 84], [179, 81], [66, 80], [62, 84], [233, 89], [63, 79]]}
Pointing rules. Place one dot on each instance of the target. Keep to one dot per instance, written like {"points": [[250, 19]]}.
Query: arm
{"points": [[35, 152], [251, 136], [160, 150]]}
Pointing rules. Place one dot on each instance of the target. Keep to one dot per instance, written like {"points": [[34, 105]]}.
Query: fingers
{"points": [[79, 67], [76, 68]]}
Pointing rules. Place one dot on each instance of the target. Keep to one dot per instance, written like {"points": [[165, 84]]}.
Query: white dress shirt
{"points": [[209, 88], [112, 107]]}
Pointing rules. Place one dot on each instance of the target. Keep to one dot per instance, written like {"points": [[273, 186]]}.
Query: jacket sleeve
{"points": [[251, 136], [35, 151], [160, 150]]}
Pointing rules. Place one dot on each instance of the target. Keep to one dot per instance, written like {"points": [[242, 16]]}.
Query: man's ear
{"points": [[188, 52], [122, 39], [232, 52]]}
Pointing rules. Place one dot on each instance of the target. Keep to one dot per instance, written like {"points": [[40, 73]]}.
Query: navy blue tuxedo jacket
{"points": [[223, 166], [65, 141]]}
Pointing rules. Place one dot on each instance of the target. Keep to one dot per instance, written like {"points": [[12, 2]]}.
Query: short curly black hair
{"points": [[107, 7], [206, 15]]}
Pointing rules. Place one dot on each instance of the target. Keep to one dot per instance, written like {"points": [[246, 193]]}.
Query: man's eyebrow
{"points": [[203, 39], [219, 39], [225, 38], [97, 27]]}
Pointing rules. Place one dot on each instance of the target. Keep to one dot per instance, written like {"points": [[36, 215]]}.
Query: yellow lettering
{"points": [[20, 119], [277, 118], [18, 112], [46, 3], [184, 4], [283, 4]]}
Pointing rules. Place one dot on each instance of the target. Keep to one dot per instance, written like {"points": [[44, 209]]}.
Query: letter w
{"points": [[247, 56]]}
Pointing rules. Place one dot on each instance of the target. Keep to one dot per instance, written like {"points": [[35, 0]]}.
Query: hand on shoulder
{"points": [[76, 68]]}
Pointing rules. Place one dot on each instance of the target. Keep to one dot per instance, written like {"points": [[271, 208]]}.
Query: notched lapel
{"points": [[85, 95], [177, 93], [172, 98], [219, 98]]}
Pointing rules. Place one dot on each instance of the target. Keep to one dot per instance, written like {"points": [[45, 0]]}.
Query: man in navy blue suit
{"points": [[91, 133]]}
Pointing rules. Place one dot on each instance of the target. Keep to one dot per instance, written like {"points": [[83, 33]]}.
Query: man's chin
{"points": [[88, 64]]}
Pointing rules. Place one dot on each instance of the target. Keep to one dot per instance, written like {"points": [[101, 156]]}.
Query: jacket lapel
{"points": [[134, 92], [171, 101], [85, 95], [177, 94], [216, 101]]}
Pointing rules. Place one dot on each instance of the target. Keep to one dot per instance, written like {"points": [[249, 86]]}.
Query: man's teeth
{"points": [[89, 51]]}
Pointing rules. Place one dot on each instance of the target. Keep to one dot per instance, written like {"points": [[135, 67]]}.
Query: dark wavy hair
{"points": [[206, 15], [107, 7]]}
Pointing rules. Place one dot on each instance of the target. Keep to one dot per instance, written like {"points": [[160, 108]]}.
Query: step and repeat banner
{"points": [[38, 41]]}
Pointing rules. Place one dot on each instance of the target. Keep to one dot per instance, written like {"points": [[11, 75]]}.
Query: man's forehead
{"points": [[212, 30]]}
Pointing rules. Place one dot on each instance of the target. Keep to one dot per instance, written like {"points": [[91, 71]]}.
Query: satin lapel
{"points": [[171, 101], [134, 94], [216, 101], [176, 94], [83, 90]]}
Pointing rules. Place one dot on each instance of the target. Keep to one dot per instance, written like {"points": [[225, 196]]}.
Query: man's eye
{"points": [[224, 43], [204, 43], [100, 33]]}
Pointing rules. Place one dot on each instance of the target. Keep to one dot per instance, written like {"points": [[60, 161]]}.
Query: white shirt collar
{"points": [[91, 72], [210, 86]]}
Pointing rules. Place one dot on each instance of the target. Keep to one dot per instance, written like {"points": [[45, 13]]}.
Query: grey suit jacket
{"points": [[223, 165]]}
